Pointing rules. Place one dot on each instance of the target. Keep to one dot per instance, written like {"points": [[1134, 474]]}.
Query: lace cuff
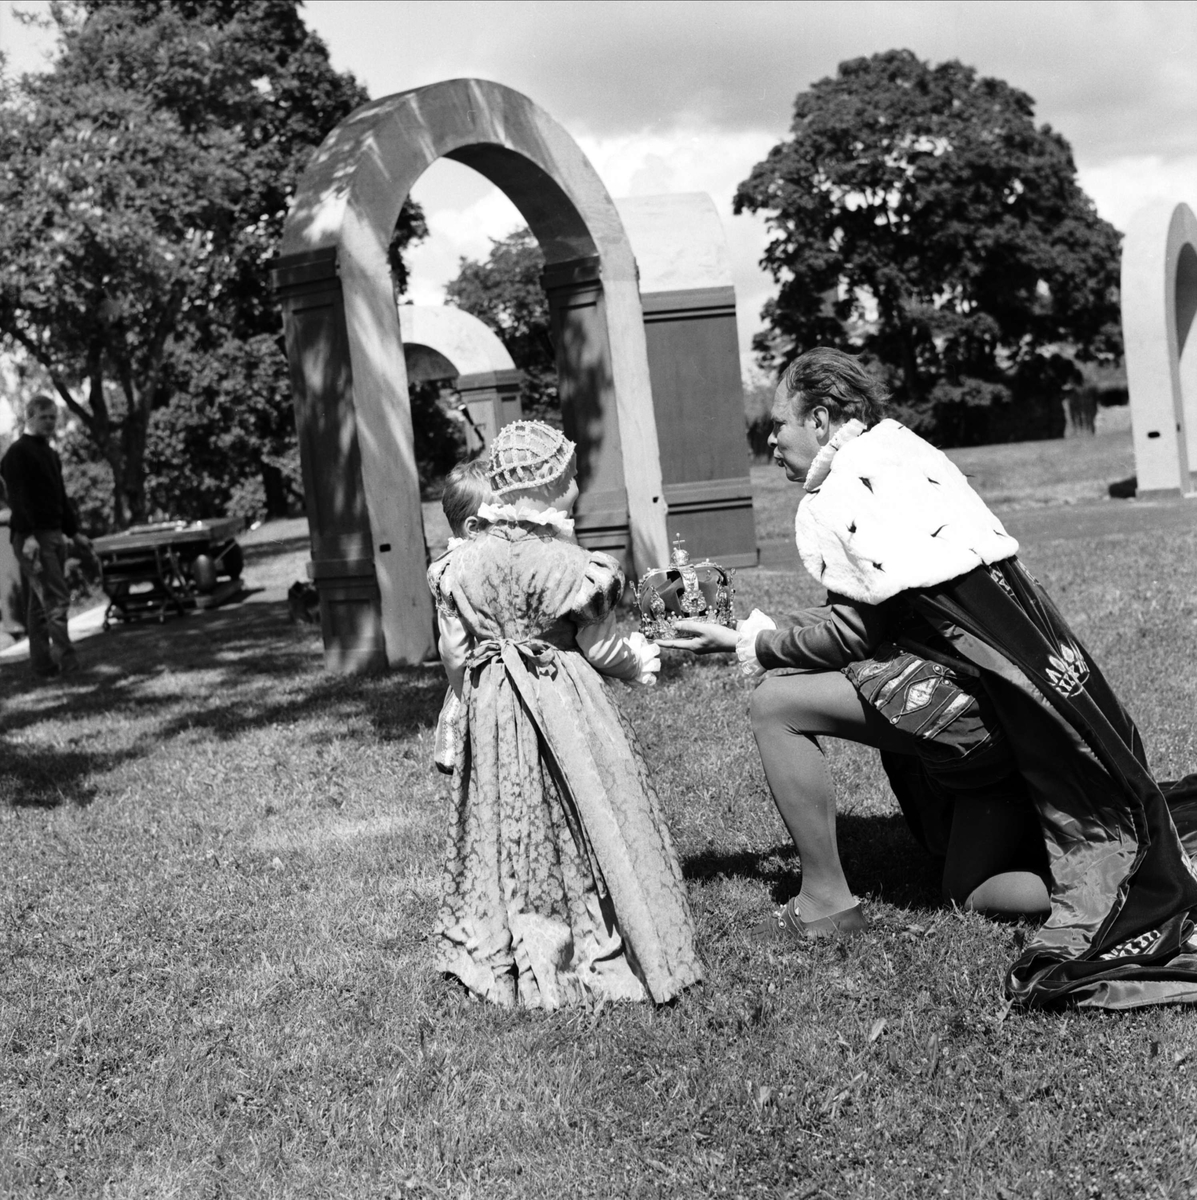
{"points": [[756, 622], [649, 654]]}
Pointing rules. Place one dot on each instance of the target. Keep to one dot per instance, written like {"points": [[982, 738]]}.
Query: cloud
{"points": [[1107, 75], [1122, 186]]}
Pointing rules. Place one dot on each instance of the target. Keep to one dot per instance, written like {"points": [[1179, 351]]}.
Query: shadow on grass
{"points": [[37, 777], [225, 672], [880, 857]]}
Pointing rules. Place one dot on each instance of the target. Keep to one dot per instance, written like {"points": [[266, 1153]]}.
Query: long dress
{"points": [[561, 881]]}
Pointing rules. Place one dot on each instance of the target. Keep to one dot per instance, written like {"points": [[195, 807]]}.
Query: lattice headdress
{"points": [[527, 454]]}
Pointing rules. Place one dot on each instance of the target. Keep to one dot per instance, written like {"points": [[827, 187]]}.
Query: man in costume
{"points": [[1008, 752]]}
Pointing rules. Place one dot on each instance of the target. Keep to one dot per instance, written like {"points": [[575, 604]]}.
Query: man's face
{"points": [[794, 440], [43, 422]]}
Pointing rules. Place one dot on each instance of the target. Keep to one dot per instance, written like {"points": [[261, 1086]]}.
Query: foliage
{"points": [[227, 435], [439, 440], [221, 866], [921, 218], [145, 182], [505, 293]]}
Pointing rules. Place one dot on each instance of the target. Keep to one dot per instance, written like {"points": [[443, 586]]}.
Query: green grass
{"points": [[220, 868]]}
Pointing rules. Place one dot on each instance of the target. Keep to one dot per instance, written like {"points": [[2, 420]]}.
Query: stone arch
{"points": [[347, 366], [1159, 302], [443, 342]]}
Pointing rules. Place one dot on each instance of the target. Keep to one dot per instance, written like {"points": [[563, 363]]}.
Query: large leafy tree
{"points": [[918, 215], [144, 185], [505, 293]]}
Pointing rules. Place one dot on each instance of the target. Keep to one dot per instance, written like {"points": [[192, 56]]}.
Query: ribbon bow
{"points": [[538, 655]]}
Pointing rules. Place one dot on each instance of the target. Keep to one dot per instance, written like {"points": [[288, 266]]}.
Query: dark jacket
{"points": [[32, 477]]}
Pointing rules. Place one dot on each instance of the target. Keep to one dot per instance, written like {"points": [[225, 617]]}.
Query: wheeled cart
{"points": [[170, 566]]}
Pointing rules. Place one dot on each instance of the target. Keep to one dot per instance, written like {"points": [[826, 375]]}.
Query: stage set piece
{"points": [[1159, 301], [170, 566], [443, 344], [349, 377], [694, 362]]}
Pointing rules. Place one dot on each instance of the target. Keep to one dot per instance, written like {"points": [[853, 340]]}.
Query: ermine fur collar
{"points": [[889, 513]]}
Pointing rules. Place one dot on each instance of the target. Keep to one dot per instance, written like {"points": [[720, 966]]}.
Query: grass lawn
{"points": [[220, 867]]}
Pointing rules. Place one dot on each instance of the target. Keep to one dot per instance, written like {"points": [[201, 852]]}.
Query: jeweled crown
{"points": [[685, 591]]}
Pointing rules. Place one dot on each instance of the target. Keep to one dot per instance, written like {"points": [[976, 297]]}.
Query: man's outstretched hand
{"points": [[702, 637]]}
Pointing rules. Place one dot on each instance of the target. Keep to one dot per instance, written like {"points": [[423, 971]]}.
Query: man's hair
{"points": [[35, 404], [466, 490], [838, 382]]}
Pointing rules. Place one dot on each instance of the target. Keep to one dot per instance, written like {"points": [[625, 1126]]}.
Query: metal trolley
{"points": [[170, 566]]}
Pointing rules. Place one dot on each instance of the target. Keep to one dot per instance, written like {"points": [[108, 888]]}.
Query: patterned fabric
{"points": [[561, 883]]}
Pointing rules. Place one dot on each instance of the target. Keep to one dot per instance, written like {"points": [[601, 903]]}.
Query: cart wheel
{"points": [[203, 571]]}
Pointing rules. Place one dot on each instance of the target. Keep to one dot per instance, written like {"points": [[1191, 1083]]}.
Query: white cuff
{"points": [[649, 654], [754, 623]]}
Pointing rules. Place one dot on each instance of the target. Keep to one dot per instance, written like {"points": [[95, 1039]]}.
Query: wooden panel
{"points": [[694, 360]]}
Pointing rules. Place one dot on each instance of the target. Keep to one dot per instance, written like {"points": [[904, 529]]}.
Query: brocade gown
{"points": [[561, 883]]}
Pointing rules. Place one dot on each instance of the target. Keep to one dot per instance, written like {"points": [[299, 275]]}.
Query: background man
{"points": [[43, 522]]}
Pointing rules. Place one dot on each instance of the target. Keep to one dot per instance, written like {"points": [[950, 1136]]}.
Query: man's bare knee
{"points": [[770, 706]]}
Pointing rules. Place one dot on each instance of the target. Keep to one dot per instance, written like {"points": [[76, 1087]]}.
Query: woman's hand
{"points": [[702, 637]]}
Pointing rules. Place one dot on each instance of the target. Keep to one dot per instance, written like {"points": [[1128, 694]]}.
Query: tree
{"points": [[919, 217], [145, 181], [505, 293]]}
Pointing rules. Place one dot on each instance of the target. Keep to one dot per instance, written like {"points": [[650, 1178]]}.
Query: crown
{"points": [[683, 590]]}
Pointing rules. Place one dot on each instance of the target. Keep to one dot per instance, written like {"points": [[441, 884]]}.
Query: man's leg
{"points": [[57, 596], [36, 628], [788, 711], [996, 862]]}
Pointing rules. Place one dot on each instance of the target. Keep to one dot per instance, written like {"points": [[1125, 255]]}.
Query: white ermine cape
{"points": [[886, 511]]}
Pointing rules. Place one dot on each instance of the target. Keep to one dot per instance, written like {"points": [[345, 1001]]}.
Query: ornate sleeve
{"points": [[441, 595], [599, 592]]}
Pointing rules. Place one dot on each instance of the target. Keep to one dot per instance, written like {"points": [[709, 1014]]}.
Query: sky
{"points": [[681, 96]]}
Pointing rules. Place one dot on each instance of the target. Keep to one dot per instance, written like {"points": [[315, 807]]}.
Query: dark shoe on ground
{"points": [[51, 672], [784, 925], [68, 666]]}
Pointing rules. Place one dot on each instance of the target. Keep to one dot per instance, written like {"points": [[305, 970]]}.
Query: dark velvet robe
{"points": [[1123, 887]]}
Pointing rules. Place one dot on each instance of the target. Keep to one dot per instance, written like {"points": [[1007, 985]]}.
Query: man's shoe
{"points": [[51, 672], [68, 666], [785, 925]]}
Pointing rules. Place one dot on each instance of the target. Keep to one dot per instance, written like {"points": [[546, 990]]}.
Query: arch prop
{"points": [[346, 358], [1159, 302]]}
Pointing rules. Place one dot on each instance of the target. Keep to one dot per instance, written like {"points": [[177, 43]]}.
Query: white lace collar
{"points": [[822, 464], [522, 513]]}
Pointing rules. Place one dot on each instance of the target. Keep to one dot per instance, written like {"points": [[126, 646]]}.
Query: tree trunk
{"points": [[275, 488], [132, 486]]}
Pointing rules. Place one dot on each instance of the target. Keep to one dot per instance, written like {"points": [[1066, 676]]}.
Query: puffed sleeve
{"points": [[599, 592], [440, 594]]}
